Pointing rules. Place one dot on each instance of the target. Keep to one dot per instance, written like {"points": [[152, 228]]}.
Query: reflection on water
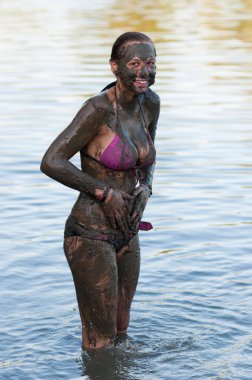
{"points": [[191, 318]]}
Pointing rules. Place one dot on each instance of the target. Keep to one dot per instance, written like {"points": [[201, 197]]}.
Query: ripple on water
{"points": [[191, 316]]}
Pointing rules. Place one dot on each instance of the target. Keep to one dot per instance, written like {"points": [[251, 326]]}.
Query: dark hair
{"points": [[126, 37]]}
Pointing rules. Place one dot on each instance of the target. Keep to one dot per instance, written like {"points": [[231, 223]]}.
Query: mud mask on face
{"points": [[128, 75]]}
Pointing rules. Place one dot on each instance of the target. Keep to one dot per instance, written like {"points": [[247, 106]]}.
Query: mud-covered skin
{"points": [[105, 274], [141, 196], [88, 210], [129, 68], [104, 304]]}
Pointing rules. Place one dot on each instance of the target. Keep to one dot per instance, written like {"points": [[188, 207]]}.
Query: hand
{"points": [[116, 210], [141, 195]]}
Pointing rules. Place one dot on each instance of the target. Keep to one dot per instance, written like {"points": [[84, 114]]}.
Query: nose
{"points": [[143, 72]]}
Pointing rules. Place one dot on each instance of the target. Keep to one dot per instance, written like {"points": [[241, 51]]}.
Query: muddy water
{"points": [[191, 317]]}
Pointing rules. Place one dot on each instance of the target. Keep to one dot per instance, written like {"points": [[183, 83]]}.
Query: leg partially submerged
{"points": [[128, 264], [105, 284], [94, 270]]}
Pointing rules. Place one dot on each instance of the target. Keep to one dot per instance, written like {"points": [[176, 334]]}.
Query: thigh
{"points": [[128, 264], [94, 270]]}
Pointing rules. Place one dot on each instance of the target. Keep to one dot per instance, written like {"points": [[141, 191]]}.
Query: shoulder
{"points": [[151, 106], [96, 107], [100, 101], [99, 108], [152, 97]]}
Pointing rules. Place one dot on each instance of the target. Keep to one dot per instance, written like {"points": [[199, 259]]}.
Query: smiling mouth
{"points": [[141, 82]]}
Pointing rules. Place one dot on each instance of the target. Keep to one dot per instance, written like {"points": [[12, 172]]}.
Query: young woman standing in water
{"points": [[114, 133]]}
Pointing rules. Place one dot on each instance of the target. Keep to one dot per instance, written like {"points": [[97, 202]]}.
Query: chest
{"points": [[123, 142], [132, 129]]}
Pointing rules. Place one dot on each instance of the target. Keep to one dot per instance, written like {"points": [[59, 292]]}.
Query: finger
{"points": [[128, 207], [136, 210], [112, 221], [138, 220], [136, 223], [120, 223], [109, 196], [123, 210], [125, 214], [137, 191], [134, 215], [126, 196], [137, 214], [125, 224], [128, 220], [124, 220]]}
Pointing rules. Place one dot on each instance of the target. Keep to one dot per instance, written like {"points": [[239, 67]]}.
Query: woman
{"points": [[114, 133]]}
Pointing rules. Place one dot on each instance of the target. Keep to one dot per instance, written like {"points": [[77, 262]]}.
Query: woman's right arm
{"points": [[80, 131]]}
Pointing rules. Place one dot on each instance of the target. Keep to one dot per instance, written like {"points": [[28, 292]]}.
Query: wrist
{"points": [[101, 194], [145, 186]]}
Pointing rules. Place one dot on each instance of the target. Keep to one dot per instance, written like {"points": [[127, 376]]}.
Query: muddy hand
{"points": [[116, 209], [141, 195]]}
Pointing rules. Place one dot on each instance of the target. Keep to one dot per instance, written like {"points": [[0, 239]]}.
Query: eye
{"points": [[151, 64], [133, 64]]}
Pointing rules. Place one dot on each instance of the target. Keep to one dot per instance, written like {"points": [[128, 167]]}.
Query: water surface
{"points": [[191, 316]]}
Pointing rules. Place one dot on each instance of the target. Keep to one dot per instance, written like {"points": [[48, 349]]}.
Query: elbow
{"points": [[49, 166], [53, 167], [45, 165]]}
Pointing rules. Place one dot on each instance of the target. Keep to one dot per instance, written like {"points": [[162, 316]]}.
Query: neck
{"points": [[124, 97]]}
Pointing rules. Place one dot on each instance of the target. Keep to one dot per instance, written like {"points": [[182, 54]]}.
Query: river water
{"points": [[191, 316]]}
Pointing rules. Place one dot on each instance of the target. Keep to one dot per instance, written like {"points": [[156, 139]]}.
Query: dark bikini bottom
{"points": [[117, 239]]}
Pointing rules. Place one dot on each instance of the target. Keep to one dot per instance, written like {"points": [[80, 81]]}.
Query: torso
{"points": [[122, 144]]}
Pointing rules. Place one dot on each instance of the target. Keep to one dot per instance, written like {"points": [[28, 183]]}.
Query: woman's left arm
{"points": [[147, 173], [144, 190]]}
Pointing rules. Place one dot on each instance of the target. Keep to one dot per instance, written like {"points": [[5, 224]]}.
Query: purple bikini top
{"points": [[118, 156]]}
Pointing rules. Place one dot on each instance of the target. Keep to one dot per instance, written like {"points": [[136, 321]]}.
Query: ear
{"points": [[114, 66]]}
